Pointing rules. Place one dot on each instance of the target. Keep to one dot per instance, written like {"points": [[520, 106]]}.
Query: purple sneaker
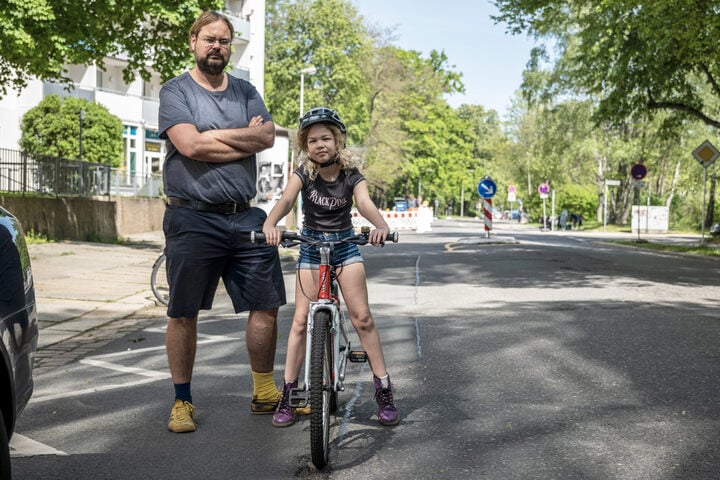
{"points": [[387, 412], [284, 416]]}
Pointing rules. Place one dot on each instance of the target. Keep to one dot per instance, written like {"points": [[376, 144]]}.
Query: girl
{"points": [[328, 183]]}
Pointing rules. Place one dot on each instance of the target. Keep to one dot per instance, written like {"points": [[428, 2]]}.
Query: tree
{"points": [[327, 35], [52, 128], [636, 57], [391, 81], [438, 150], [39, 37]]}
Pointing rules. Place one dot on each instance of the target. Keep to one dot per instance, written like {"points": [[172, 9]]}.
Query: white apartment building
{"points": [[137, 103]]}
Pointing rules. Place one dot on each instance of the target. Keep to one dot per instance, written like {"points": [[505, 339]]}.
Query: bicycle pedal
{"points": [[298, 398], [358, 356]]}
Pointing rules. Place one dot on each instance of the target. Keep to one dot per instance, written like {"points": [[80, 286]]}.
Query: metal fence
{"points": [[57, 176]]}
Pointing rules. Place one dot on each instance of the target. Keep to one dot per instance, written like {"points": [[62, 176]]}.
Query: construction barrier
{"points": [[487, 215], [419, 219]]}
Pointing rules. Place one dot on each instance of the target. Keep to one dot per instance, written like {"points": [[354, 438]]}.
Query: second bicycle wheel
{"points": [[321, 389], [159, 282]]}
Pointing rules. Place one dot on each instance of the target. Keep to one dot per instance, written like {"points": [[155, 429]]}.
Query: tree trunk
{"points": [[669, 200], [710, 211]]}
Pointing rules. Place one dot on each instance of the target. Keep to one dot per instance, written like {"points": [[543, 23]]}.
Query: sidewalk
{"points": [[84, 290]]}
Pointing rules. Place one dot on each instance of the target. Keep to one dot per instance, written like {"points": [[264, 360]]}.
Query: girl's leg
{"points": [[305, 291], [305, 285], [354, 288], [351, 279]]}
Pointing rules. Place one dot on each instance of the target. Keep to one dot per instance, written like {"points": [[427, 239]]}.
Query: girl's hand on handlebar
{"points": [[272, 234], [377, 237]]}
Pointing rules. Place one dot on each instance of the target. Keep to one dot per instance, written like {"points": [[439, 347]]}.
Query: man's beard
{"points": [[213, 68]]}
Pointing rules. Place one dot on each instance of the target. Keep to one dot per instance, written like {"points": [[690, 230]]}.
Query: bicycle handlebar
{"points": [[290, 239]]}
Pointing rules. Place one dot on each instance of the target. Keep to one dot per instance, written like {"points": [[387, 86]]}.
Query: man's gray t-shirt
{"points": [[182, 100]]}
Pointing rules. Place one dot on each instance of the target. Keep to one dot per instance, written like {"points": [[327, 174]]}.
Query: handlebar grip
{"points": [[393, 237], [286, 236]]}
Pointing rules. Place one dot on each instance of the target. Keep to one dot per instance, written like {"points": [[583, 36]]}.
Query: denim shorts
{"points": [[203, 247], [343, 254]]}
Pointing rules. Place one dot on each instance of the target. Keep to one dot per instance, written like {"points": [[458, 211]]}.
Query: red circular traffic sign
{"points": [[638, 171], [543, 188]]}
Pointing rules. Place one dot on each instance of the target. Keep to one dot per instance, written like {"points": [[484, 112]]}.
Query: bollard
{"points": [[487, 217]]}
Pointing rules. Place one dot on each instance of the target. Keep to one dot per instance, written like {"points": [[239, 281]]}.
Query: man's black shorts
{"points": [[202, 247]]}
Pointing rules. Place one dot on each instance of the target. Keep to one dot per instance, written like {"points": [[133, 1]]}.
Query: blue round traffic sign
{"points": [[486, 188], [543, 188], [638, 171]]}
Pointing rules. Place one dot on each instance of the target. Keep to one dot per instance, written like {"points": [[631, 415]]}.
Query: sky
{"points": [[490, 60]]}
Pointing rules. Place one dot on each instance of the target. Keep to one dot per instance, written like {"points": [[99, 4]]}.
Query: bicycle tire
{"points": [[159, 282], [321, 389]]}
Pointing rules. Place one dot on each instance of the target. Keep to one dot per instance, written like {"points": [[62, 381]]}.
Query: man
{"points": [[215, 124]]}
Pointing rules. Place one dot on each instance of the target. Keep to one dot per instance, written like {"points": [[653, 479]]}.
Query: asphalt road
{"points": [[537, 356]]}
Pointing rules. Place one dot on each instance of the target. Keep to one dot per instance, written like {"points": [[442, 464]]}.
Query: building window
{"points": [[130, 147]]}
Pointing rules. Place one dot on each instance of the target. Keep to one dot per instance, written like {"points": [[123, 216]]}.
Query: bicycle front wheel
{"points": [[159, 282], [321, 388]]}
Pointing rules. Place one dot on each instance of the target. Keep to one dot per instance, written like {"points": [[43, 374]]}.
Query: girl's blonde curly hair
{"points": [[345, 157]]}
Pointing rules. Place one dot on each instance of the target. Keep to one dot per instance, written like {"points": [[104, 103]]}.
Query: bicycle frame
{"points": [[328, 299]]}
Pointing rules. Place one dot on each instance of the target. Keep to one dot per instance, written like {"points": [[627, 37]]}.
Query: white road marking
{"points": [[349, 407], [21, 446], [86, 391], [121, 368], [149, 375]]}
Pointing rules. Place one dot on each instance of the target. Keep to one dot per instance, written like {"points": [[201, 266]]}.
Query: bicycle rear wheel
{"points": [[321, 389], [159, 282]]}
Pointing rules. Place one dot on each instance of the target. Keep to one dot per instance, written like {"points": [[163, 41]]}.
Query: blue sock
{"points": [[182, 392]]}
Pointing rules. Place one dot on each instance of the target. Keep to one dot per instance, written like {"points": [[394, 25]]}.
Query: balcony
{"points": [[242, 28]]}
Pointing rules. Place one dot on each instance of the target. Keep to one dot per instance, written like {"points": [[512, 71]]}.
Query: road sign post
{"points": [[638, 172], [543, 190], [487, 188], [706, 154]]}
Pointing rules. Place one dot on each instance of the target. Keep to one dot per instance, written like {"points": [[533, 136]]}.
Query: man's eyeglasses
{"points": [[209, 42]]}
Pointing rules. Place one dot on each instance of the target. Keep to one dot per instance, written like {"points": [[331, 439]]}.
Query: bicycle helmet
{"points": [[322, 115]]}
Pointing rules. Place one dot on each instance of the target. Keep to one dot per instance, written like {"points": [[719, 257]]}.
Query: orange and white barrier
{"points": [[419, 219]]}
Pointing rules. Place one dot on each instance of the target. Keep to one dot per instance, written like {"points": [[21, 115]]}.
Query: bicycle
{"points": [[159, 282], [327, 345]]}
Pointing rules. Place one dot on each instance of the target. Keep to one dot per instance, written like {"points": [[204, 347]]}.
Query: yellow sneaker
{"points": [[303, 410], [181, 417]]}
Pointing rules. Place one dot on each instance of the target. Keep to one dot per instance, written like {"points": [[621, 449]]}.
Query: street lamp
{"points": [[309, 71], [462, 191], [303, 71], [82, 119], [80, 153]]}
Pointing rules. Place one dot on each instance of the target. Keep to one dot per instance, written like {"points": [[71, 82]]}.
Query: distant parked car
{"points": [[18, 331], [401, 205]]}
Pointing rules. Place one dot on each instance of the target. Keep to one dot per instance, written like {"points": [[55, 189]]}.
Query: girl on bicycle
{"points": [[329, 182]]}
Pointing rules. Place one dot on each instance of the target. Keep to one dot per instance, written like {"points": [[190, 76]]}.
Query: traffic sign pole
{"points": [[487, 215], [706, 154], [543, 190], [486, 189]]}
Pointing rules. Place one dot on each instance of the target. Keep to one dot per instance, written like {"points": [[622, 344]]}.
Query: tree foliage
{"points": [[392, 99], [39, 37], [327, 35], [635, 57], [52, 128]]}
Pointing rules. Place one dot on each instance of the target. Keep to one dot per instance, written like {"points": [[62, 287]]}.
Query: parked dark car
{"points": [[18, 331]]}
